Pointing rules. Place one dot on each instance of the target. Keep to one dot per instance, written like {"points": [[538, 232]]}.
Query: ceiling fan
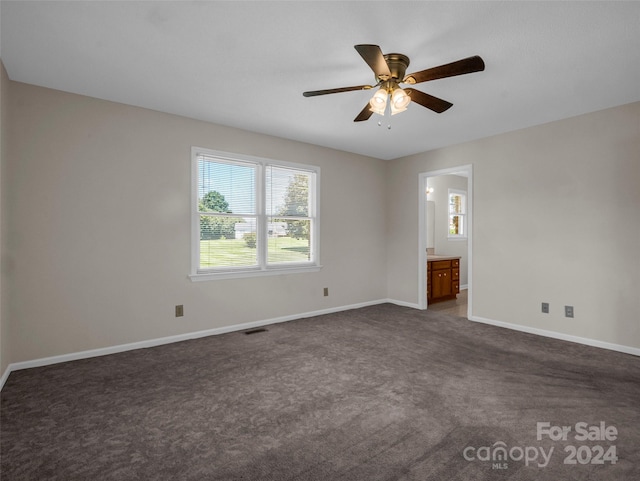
{"points": [[389, 70]]}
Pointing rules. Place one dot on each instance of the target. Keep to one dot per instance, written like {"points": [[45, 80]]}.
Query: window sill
{"points": [[217, 276]]}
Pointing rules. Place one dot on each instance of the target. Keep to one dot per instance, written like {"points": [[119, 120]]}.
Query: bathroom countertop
{"points": [[431, 257]]}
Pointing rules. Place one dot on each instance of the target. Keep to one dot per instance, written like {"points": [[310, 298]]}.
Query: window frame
{"points": [[263, 268], [462, 215]]}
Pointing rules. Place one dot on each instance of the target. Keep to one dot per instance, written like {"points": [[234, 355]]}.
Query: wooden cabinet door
{"points": [[441, 283]]}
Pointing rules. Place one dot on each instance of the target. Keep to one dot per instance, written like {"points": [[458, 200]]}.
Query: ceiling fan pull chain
{"points": [[387, 111]]}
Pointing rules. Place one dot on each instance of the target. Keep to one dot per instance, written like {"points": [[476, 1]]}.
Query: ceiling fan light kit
{"points": [[379, 102], [389, 71], [399, 101]]}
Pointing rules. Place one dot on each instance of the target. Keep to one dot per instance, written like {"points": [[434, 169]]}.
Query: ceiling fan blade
{"points": [[459, 67], [374, 58], [428, 101], [365, 114], [313, 93]]}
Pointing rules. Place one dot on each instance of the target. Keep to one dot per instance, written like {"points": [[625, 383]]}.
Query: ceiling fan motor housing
{"points": [[398, 64]]}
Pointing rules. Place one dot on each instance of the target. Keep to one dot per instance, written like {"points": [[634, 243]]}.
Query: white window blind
{"points": [[457, 214], [228, 214], [252, 215], [289, 221]]}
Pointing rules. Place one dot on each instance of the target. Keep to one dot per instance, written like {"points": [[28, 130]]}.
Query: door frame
{"points": [[422, 232]]}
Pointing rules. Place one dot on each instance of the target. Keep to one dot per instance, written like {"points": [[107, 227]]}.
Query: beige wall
{"points": [[5, 354], [100, 231], [95, 226], [555, 219]]}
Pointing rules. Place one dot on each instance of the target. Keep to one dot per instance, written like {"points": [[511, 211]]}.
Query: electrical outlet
{"points": [[326, 291], [545, 307], [568, 311], [179, 310]]}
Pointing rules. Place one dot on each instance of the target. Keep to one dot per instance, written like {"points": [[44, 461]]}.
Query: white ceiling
{"points": [[246, 64]]}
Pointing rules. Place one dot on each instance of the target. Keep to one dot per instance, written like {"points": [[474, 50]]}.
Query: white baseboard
{"points": [[46, 361], [559, 335], [74, 356], [402, 303], [5, 376]]}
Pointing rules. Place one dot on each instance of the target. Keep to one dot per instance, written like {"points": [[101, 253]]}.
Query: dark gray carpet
{"points": [[379, 393]]}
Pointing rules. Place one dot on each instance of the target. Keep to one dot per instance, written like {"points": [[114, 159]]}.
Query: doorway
{"points": [[445, 232]]}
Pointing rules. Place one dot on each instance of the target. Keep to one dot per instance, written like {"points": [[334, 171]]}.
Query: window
{"points": [[252, 216], [457, 214]]}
